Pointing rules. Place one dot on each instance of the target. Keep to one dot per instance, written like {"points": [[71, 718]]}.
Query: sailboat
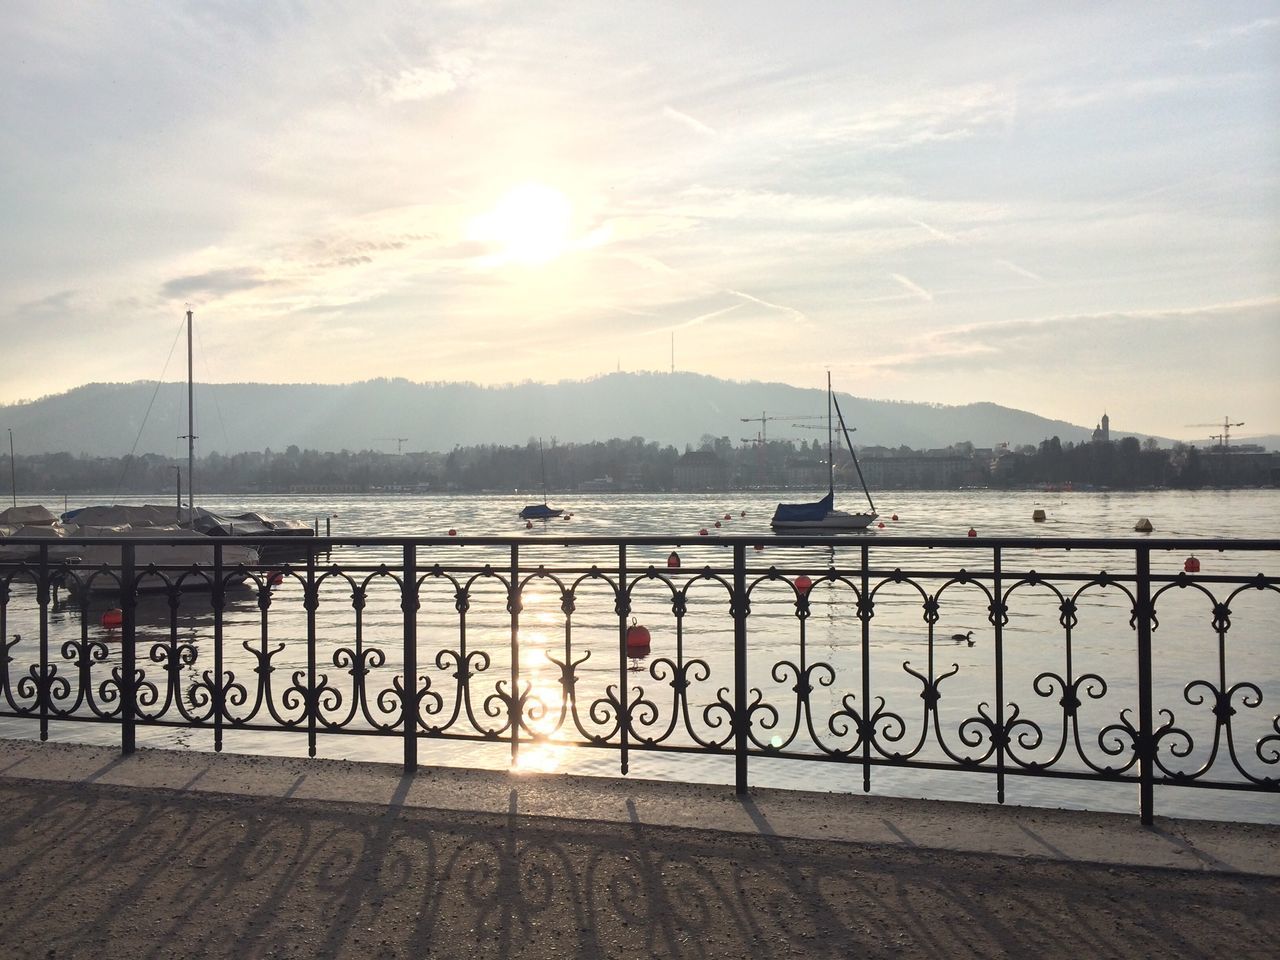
{"points": [[821, 516], [540, 511], [152, 523]]}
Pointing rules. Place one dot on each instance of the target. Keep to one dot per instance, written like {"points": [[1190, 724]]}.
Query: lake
{"points": [[1185, 645]]}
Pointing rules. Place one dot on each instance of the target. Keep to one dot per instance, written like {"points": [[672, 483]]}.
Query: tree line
{"points": [[631, 464]]}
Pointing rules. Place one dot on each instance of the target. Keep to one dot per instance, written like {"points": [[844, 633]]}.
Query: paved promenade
{"points": [[182, 854]]}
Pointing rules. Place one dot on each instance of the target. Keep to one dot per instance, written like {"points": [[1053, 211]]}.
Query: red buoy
{"points": [[276, 578], [112, 618], [703, 532], [973, 532], [728, 516], [803, 583], [673, 560], [880, 525], [759, 546], [894, 517], [453, 532], [1191, 565], [743, 513], [528, 524], [637, 641], [717, 523]]}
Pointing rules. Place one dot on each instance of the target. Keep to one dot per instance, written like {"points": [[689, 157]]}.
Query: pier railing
{"points": [[1088, 660]]}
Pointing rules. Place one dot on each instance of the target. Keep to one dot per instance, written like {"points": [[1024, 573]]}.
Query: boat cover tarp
{"points": [[31, 516], [206, 521], [116, 515], [539, 511], [800, 512]]}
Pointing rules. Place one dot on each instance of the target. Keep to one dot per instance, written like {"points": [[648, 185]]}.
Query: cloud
{"points": [[1020, 271], [790, 311], [444, 74], [1093, 341], [215, 283], [690, 122], [935, 232], [914, 287], [1215, 38]]}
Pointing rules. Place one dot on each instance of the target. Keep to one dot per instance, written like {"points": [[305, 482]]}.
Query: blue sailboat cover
{"points": [[539, 511], [797, 512]]}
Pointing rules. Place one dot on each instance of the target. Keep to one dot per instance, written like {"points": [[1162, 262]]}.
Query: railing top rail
{"points": [[684, 540]]}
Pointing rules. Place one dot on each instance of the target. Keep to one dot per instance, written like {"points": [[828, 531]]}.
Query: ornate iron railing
{"points": [[817, 650]]}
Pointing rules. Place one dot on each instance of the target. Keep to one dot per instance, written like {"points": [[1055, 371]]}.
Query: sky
{"points": [[1067, 208]]}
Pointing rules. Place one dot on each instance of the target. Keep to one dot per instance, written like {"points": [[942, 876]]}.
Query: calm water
{"points": [[1185, 643]]}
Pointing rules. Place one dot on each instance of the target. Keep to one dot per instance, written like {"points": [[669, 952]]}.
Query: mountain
{"points": [[110, 419]]}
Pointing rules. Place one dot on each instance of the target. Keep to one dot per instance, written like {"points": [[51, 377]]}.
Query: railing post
{"points": [[217, 600], [864, 616], [1146, 738], [740, 667], [128, 634], [44, 688], [312, 602], [513, 604], [623, 607], [997, 622], [409, 604]]}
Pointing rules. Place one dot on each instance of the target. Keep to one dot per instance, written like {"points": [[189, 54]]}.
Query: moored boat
{"points": [[821, 516], [540, 511]]}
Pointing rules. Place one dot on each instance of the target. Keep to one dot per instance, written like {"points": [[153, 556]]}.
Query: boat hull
{"points": [[834, 522], [540, 511]]}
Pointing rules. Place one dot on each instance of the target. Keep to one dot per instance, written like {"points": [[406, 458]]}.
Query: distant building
{"points": [[936, 470], [701, 470], [1102, 432]]}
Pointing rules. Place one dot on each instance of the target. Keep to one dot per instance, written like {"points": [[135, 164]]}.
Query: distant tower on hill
{"points": [[1102, 432]]}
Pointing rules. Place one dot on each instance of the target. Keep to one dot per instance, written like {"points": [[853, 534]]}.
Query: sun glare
{"points": [[531, 224]]}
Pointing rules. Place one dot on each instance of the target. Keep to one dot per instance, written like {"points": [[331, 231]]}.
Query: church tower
{"points": [[1106, 428]]}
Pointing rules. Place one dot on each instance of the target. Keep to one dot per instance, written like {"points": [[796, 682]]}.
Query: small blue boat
{"points": [[821, 516], [540, 511]]}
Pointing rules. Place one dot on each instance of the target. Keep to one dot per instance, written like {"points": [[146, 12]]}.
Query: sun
{"points": [[531, 225]]}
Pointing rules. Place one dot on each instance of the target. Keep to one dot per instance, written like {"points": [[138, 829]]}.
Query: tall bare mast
{"points": [[831, 460], [191, 432]]}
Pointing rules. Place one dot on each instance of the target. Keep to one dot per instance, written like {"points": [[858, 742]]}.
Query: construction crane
{"points": [[764, 419], [398, 441], [1223, 438]]}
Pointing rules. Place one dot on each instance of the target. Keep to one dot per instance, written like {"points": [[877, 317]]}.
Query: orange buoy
{"points": [[1191, 565], [803, 583], [894, 517], [453, 532], [112, 618], [638, 640], [703, 532], [973, 532], [673, 560]]}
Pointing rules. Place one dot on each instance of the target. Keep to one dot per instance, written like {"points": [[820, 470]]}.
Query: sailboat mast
{"points": [[831, 460], [856, 466], [191, 433], [542, 456]]}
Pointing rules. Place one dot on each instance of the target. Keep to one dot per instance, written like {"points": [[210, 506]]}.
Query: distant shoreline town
{"points": [[636, 465]]}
